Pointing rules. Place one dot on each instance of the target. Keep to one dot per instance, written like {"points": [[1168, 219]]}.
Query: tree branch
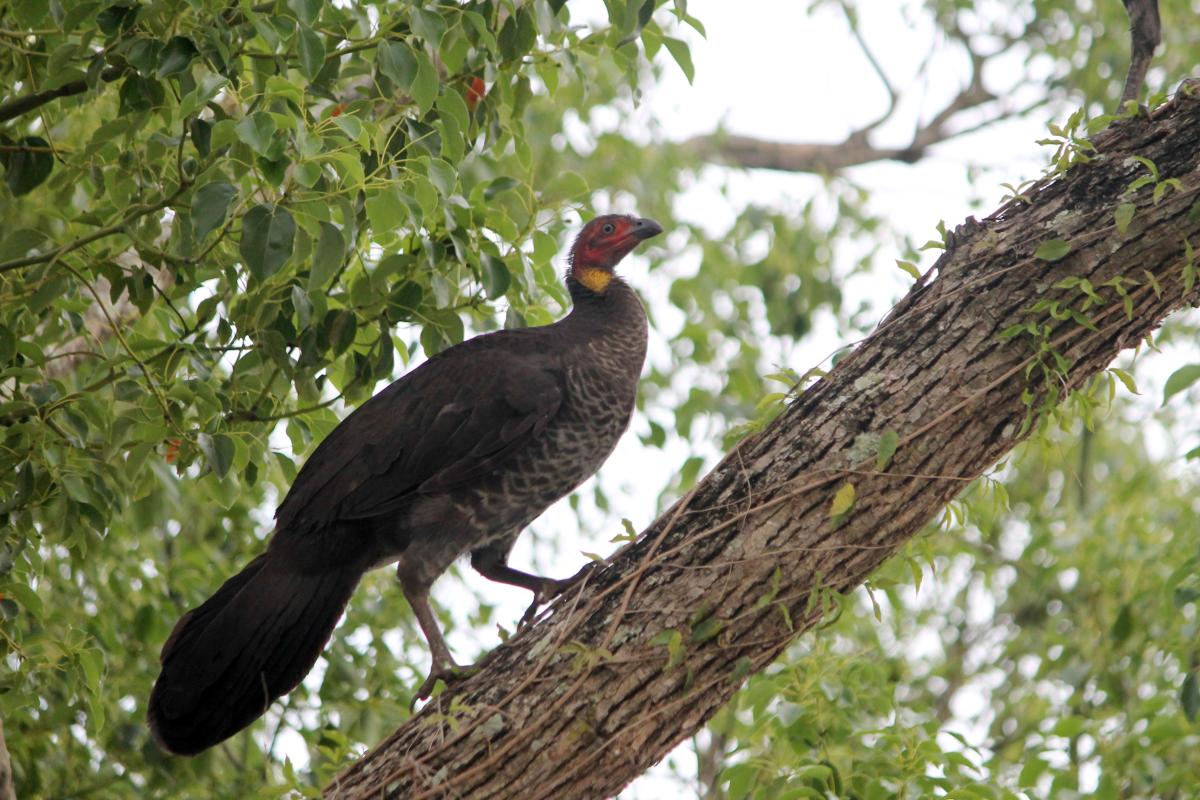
{"points": [[109, 230], [824, 158], [856, 149], [650, 646], [26, 103], [893, 96], [1145, 29]]}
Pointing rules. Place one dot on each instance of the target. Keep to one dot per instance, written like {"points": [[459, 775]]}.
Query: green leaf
{"points": [[1189, 697], [498, 185], [268, 235], [8, 345], [812, 772], [708, 629], [425, 85], [218, 451], [451, 104], [673, 641], [27, 168], [843, 501], [138, 93], [1126, 379], [258, 131], [1069, 727], [518, 35], [1124, 215], [328, 259], [397, 62], [1123, 625], [645, 12], [428, 25], [341, 326], [888, 442], [91, 664], [569, 185], [1052, 250], [142, 55], [1031, 771], [910, 268], [682, 55], [116, 17], [425, 194], [1180, 380], [443, 176], [201, 131], [311, 49], [210, 204], [496, 278], [386, 209], [206, 89], [305, 10], [26, 597], [176, 56], [352, 127]]}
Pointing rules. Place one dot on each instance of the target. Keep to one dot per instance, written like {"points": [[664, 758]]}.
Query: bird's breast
{"points": [[600, 388]]}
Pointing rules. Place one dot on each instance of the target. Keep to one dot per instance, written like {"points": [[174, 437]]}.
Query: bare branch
{"points": [[893, 96], [1145, 30], [825, 158], [820, 158]]}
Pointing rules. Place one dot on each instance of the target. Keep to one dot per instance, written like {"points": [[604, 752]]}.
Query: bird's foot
{"points": [[551, 589], [446, 673]]}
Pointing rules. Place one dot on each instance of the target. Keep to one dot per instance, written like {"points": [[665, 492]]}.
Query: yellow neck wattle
{"points": [[594, 278]]}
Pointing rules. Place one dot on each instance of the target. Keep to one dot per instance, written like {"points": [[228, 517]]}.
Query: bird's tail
{"points": [[248, 644]]}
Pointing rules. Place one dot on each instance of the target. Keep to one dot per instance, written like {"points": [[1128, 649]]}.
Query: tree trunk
{"points": [[650, 646]]}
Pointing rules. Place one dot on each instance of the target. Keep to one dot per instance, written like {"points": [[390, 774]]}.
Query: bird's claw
{"points": [[447, 673], [550, 590], [530, 613]]}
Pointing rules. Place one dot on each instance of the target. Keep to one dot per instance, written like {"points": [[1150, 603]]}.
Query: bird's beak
{"points": [[645, 229]]}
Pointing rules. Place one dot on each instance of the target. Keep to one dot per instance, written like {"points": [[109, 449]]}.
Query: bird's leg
{"points": [[443, 665], [491, 564]]}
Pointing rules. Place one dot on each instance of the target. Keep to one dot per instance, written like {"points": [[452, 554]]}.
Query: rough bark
{"points": [[585, 701]]}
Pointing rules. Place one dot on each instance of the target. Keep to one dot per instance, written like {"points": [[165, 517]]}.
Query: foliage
{"points": [[227, 222]]}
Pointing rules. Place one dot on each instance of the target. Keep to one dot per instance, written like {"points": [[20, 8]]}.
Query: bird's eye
{"points": [[608, 227]]}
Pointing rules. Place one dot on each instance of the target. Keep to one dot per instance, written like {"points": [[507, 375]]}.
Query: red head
{"points": [[604, 241]]}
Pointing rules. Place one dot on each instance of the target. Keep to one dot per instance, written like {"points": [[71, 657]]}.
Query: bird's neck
{"points": [[611, 310], [607, 332], [594, 279]]}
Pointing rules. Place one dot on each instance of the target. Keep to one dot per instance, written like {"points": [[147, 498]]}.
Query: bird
{"points": [[456, 457]]}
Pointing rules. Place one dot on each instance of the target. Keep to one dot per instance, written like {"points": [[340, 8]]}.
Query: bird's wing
{"points": [[451, 420]]}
